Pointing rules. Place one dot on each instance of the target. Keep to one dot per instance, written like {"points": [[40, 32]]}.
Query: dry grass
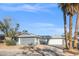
{"points": [[72, 52], [3, 47]]}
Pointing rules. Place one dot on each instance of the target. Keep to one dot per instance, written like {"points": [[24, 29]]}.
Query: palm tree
{"points": [[76, 8], [70, 12], [63, 8]]}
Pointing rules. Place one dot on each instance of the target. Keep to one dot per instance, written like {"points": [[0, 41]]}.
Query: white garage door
{"points": [[55, 42]]}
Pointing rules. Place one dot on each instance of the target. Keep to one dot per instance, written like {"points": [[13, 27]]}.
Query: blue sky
{"points": [[37, 18]]}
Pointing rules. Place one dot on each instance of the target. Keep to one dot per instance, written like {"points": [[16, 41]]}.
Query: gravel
{"points": [[33, 51]]}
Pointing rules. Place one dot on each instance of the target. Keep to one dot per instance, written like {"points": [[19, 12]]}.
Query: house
{"points": [[52, 40], [2, 36], [28, 39], [31, 39], [56, 40]]}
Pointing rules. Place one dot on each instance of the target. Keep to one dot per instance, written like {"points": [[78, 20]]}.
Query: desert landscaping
{"points": [[38, 50], [33, 31]]}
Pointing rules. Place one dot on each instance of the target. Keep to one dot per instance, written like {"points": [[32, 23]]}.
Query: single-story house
{"points": [[28, 39], [31, 39], [52, 40]]}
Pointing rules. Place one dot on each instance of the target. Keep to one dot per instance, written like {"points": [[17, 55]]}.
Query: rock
{"points": [[35, 54], [34, 51]]}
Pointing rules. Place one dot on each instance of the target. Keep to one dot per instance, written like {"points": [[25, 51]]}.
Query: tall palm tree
{"points": [[76, 8], [70, 12], [63, 8]]}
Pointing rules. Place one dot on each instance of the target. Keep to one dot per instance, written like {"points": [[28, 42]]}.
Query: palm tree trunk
{"points": [[76, 31], [65, 29], [70, 32], [70, 27]]}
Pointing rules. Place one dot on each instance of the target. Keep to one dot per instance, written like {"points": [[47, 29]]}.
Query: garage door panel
{"points": [[55, 42]]}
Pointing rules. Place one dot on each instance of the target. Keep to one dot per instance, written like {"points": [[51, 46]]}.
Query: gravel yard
{"points": [[39, 50]]}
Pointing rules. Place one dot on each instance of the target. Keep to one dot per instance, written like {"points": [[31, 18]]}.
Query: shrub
{"points": [[10, 42], [1, 41]]}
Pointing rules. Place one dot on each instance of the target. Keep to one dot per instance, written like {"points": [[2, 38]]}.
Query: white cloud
{"points": [[46, 28], [41, 25], [21, 8], [27, 7]]}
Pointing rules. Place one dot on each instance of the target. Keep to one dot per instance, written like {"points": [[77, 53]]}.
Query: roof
{"points": [[28, 35], [39, 36], [56, 37]]}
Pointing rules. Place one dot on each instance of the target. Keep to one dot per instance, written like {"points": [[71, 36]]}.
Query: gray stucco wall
{"points": [[27, 41]]}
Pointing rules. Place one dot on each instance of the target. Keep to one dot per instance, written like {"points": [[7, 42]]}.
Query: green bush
{"points": [[10, 42], [1, 41]]}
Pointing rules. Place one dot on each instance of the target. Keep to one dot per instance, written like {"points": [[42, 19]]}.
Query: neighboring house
{"points": [[31, 39], [2, 36]]}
